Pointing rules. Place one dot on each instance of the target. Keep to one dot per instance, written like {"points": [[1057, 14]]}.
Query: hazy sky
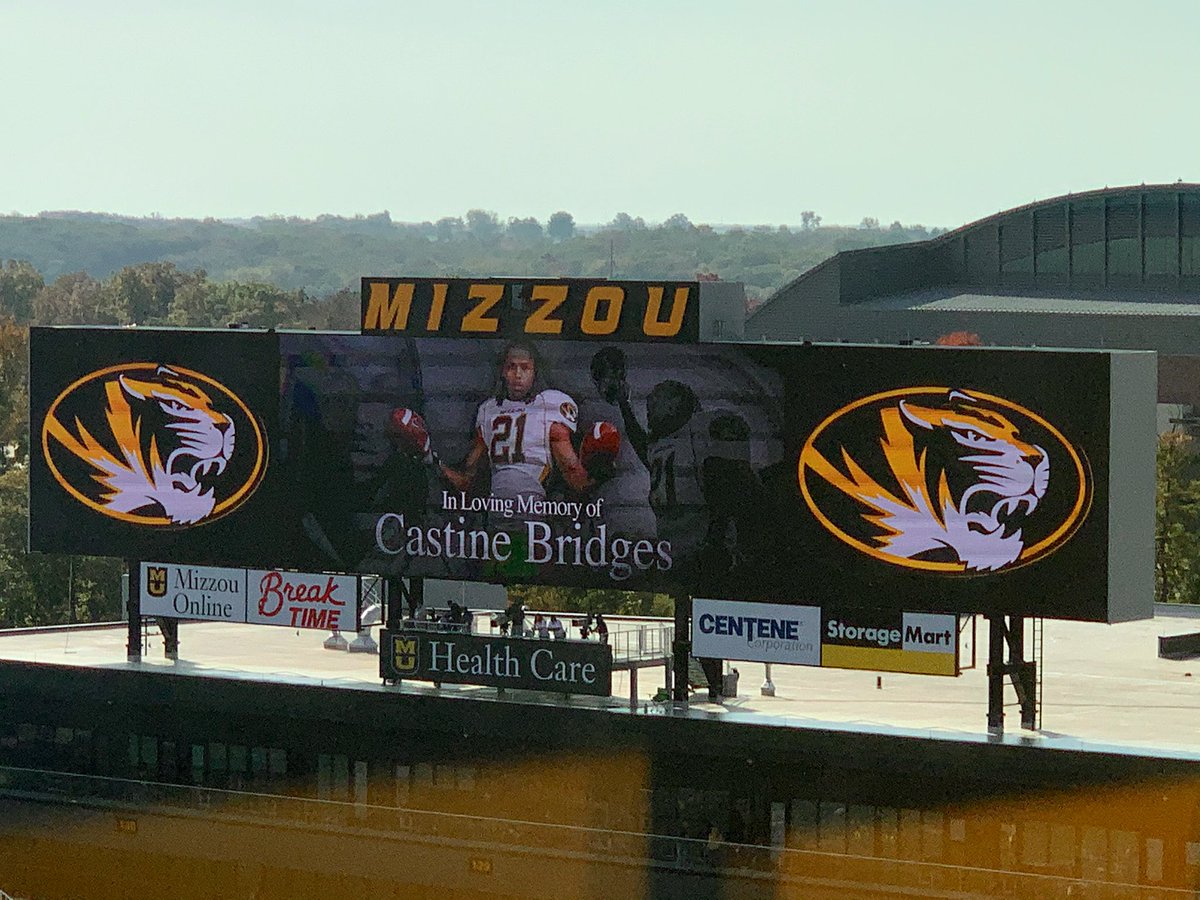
{"points": [[924, 111]]}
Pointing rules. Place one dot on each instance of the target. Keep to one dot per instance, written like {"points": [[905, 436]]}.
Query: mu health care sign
{"points": [[882, 641], [256, 596], [570, 667], [1015, 482]]}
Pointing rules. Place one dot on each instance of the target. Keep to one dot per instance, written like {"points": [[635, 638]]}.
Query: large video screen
{"points": [[936, 479]]}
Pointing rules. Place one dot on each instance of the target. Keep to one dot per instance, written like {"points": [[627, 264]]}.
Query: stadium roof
{"points": [[1116, 252]]}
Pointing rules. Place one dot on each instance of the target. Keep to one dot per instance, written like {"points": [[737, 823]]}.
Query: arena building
{"points": [[1116, 268]]}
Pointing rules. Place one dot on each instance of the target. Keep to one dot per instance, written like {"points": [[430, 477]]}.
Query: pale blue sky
{"points": [[924, 111]]}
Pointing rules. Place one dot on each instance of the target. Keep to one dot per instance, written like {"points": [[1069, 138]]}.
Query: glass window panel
{"points": [[258, 760], [1016, 247], [217, 757], [237, 758], [910, 833], [1162, 245], [804, 824], [402, 778], [1062, 846], [1050, 233], [134, 750], [982, 252], [931, 835], [324, 776], [360, 781], [833, 827], [1124, 249], [1154, 859], [150, 751], [1123, 856], [1035, 843], [1093, 852], [1189, 230], [1087, 243], [341, 776], [862, 831], [278, 761], [889, 837]]}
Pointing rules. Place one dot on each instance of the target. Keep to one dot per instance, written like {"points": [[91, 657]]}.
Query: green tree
{"points": [[143, 294], [74, 299], [561, 226], [525, 230], [482, 225], [14, 389], [593, 600], [20, 282], [1177, 520]]}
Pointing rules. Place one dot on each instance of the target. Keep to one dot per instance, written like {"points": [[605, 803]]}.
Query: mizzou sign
{"points": [[949, 480]]}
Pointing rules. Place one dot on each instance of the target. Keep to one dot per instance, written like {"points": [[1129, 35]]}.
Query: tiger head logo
{"points": [[952, 482], [160, 453]]}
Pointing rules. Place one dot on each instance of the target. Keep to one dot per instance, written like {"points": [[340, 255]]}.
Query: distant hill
{"points": [[324, 255]]}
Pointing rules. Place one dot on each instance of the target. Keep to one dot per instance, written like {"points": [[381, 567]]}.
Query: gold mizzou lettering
{"points": [[566, 308], [945, 480]]}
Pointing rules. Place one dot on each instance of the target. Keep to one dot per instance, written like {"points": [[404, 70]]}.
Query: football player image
{"points": [[626, 509], [523, 433], [703, 489]]}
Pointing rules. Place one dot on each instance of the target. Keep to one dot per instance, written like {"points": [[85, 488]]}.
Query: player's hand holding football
{"points": [[598, 451], [409, 434]]}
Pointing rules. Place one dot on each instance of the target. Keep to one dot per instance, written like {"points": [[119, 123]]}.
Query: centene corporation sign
{"points": [[569, 667], [878, 640], [256, 596]]}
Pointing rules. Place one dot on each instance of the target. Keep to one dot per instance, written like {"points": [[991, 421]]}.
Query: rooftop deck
{"points": [[1104, 686]]}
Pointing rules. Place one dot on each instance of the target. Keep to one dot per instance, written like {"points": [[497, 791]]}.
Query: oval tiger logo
{"points": [[154, 445], [944, 480]]}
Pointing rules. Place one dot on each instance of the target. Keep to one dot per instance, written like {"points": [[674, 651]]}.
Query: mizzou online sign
{"points": [[941, 479], [259, 597]]}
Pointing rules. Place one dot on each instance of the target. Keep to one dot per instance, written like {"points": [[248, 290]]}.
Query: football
{"points": [[600, 445], [408, 432]]}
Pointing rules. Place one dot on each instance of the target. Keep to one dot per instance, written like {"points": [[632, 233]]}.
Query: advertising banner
{"points": [[955, 480], [569, 667], [756, 632], [890, 641], [259, 597], [299, 600], [882, 641], [193, 592]]}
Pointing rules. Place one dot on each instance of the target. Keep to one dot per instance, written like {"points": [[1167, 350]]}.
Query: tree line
{"points": [[329, 254]]}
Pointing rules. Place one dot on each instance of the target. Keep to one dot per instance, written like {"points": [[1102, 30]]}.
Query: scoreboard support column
{"points": [[1007, 633], [681, 648], [133, 610]]}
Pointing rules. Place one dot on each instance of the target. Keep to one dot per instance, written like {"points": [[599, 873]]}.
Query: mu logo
{"points": [[944, 480], [156, 581], [153, 445], [404, 654]]}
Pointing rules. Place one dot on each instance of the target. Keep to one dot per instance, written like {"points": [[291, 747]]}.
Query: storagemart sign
{"points": [[569, 667]]}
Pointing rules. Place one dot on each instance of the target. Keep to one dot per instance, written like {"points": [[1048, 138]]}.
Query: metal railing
{"points": [[644, 641]]}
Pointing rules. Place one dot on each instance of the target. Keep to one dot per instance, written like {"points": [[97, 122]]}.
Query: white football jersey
{"points": [[516, 435]]}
